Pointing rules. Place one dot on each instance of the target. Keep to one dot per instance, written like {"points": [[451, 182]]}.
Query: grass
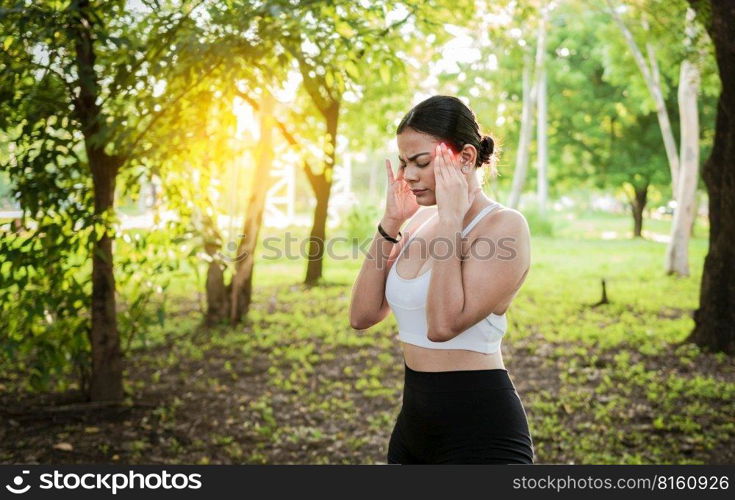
{"points": [[295, 384]]}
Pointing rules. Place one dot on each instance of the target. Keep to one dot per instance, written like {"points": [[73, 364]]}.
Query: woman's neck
{"points": [[480, 202]]}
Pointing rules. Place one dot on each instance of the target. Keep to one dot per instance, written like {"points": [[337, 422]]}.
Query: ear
{"points": [[469, 155]]}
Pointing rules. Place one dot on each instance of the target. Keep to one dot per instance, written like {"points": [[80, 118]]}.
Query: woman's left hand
{"points": [[453, 198]]}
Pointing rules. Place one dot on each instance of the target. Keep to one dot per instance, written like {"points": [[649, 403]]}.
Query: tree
{"points": [[684, 165], [336, 45], [533, 85], [715, 318], [677, 250], [86, 81], [542, 182], [344, 43], [652, 77], [600, 136]]}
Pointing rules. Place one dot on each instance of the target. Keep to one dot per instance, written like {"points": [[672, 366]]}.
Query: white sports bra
{"points": [[407, 299]]}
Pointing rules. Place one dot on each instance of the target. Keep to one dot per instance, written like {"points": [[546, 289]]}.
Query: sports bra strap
{"points": [[466, 230], [479, 216]]}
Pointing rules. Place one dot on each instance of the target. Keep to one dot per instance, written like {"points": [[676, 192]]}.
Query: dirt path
{"points": [[222, 407]]}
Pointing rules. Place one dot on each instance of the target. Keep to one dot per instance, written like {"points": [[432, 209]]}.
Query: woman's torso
{"points": [[414, 263]]}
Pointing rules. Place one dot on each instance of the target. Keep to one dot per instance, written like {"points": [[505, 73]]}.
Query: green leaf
{"points": [[385, 74], [345, 30], [352, 70]]}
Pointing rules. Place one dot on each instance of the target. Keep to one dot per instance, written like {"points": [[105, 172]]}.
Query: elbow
{"points": [[439, 335], [358, 325], [356, 321]]}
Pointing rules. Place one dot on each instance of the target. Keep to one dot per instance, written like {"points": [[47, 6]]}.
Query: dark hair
{"points": [[450, 120]]}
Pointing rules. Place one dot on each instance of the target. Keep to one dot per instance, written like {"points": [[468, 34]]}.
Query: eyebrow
{"points": [[415, 156]]}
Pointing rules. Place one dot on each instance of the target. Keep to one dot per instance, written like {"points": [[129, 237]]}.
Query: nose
{"points": [[411, 174]]}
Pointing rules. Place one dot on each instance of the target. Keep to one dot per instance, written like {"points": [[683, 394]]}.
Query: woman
{"points": [[449, 294]]}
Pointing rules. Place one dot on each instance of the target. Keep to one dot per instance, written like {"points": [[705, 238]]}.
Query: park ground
{"points": [[294, 384]]}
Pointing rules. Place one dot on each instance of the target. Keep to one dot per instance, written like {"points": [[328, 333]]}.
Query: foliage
{"points": [[135, 66], [539, 223], [296, 384], [361, 222]]}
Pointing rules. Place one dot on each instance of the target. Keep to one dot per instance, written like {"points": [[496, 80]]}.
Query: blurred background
{"points": [[188, 190]]}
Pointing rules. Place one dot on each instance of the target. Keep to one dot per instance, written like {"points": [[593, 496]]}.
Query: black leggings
{"points": [[460, 417]]}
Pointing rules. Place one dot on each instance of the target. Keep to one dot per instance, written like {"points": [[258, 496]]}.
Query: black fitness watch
{"points": [[385, 235]]}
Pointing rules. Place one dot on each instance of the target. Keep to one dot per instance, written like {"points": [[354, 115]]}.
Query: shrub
{"points": [[361, 222], [539, 224]]}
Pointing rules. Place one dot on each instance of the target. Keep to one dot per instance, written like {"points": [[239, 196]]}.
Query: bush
{"points": [[539, 224], [361, 222]]}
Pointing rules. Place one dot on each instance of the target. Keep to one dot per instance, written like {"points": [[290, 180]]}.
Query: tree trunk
{"points": [[677, 251], [218, 296], [106, 378], [651, 76], [524, 139], [543, 154], [667, 131], [715, 319], [217, 292], [693, 228], [637, 205], [242, 281], [530, 94], [106, 382], [322, 185]]}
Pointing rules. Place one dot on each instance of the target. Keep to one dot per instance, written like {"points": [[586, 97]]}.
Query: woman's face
{"points": [[416, 159]]}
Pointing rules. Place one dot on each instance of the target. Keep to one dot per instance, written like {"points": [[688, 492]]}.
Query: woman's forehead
{"points": [[411, 143]]}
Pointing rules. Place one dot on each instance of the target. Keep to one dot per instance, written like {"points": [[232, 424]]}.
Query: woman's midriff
{"points": [[423, 359]]}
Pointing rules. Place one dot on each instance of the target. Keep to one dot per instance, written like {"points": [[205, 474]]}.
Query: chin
{"points": [[426, 201]]}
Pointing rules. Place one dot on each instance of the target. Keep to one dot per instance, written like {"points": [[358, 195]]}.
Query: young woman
{"points": [[449, 282]]}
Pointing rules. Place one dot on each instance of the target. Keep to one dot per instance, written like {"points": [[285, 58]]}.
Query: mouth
{"points": [[418, 191]]}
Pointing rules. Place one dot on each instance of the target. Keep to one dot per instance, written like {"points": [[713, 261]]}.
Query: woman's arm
{"points": [[461, 293], [368, 305]]}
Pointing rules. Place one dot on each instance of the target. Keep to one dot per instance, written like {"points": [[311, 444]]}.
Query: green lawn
{"points": [[295, 384]]}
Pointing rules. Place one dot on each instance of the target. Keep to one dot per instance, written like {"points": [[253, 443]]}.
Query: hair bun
{"points": [[487, 146]]}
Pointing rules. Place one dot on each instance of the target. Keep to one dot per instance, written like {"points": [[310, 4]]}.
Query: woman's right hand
{"points": [[400, 202]]}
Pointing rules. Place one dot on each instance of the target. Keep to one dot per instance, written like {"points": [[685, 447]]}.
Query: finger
{"points": [[447, 153], [446, 161], [401, 174], [438, 163], [453, 166], [456, 165], [390, 170]]}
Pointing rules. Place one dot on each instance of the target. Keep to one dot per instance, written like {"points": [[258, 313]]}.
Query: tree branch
{"points": [[165, 43], [284, 131], [164, 110]]}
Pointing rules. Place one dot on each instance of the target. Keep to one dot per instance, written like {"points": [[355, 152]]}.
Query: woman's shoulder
{"points": [[511, 216], [505, 220]]}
